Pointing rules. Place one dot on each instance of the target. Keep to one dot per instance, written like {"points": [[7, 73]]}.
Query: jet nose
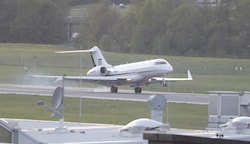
{"points": [[170, 68]]}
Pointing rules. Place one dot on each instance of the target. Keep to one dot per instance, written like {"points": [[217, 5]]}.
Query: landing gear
{"points": [[113, 89], [164, 84], [137, 90]]}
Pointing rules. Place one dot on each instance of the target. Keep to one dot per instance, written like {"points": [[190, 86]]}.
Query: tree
{"points": [[185, 30], [161, 45], [7, 15], [106, 42], [150, 23], [100, 20], [124, 29], [34, 21], [240, 29], [137, 40], [38, 21], [170, 27]]}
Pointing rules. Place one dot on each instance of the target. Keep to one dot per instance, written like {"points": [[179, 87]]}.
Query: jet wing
{"points": [[117, 80], [164, 79], [98, 79]]}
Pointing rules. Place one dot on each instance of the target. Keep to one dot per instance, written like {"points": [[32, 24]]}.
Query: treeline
{"points": [[37, 21], [171, 27], [33, 21]]}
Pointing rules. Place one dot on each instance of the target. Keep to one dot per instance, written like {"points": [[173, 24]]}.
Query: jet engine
{"points": [[103, 71]]}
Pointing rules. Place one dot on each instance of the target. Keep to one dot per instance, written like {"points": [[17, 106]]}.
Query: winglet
{"points": [[189, 75]]}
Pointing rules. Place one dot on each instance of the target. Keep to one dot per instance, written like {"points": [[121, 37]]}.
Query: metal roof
{"points": [[37, 131]]}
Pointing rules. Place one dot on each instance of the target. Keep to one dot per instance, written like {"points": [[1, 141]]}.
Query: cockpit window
{"points": [[160, 62]]}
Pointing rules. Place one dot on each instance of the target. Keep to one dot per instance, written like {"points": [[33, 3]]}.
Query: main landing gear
{"points": [[137, 90], [164, 84], [113, 89]]}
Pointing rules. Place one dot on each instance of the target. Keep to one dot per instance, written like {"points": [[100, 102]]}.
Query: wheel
{"points": [[137, 90], [113, 89], [116, 89]]}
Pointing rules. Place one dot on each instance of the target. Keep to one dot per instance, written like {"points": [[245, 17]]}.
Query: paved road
{"points": [[103, 93]]}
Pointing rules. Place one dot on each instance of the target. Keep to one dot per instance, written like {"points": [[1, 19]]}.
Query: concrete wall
{"points": [[160, 138], [224, 105]]}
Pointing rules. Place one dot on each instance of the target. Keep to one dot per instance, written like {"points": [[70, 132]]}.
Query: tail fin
{"points": [[97, 57], [95, 53]]}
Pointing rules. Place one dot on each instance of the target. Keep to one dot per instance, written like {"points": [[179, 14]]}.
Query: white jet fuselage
{"points": [[139, 72], [133, 74]]}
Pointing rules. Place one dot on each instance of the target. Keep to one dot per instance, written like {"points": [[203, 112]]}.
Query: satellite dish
{"points": [[57, 99], [57, 105]]}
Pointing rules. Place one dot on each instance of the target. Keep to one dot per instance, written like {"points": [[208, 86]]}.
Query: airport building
{"points": [[228, 123], [46, 132], [226, 105], [20, 131]]}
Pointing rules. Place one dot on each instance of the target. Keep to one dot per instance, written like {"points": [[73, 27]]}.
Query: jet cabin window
{"points": [[160, 62]]}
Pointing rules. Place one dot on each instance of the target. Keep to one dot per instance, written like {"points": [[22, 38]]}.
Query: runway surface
{"points": [[103, 93]]}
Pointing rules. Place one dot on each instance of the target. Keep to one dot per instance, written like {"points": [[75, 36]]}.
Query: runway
{"points": [[103, 93]]}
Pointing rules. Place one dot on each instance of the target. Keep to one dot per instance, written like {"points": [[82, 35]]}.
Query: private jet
{"points": [[134, 74]]}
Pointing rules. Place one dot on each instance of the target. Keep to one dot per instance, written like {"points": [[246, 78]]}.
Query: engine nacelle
{"points": [[103, 71]]}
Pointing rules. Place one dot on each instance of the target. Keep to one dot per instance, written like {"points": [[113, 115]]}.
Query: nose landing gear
{"points": [[164, 84]]}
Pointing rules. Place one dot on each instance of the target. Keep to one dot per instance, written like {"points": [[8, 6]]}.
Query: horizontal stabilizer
{"points": [[77, 51], [96, 55]]}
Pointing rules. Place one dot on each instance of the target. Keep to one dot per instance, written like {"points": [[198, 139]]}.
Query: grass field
{"points": [[187, 116], [103, 111], [209, 73]]}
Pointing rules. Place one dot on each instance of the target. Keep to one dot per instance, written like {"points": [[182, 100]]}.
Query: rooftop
{"points": [[36, 131]]}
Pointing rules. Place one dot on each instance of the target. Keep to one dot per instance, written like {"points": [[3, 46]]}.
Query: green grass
{"points": [[103, 111], [209, 73], [41, 59], [187, 116], [5, 136]]}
